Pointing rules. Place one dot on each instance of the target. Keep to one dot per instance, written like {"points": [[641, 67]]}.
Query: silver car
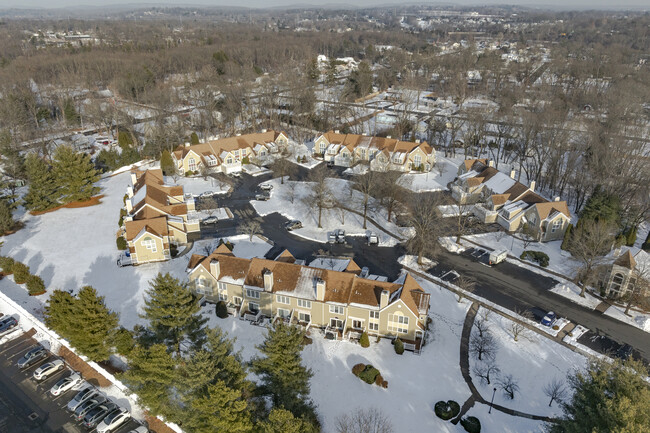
{"points": [[83, 395]]}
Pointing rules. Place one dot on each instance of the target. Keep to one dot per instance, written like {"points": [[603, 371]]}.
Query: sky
{"points": [[561, 4]]}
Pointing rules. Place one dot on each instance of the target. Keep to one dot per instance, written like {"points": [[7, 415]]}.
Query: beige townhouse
{"points": [[158, 215], [228, 154], [498, 198], [380, 153], [628, 272], [341, 303]]}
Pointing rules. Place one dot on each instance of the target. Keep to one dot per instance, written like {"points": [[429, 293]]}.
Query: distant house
{"points": [[630, 270], [227, 154], [498, 198], [158, 215], [336, 300], [380, 153]]}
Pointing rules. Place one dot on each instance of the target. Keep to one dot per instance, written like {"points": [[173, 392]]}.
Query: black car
{"points": [[262, 197], [7, 323], [96, 415], [293, 224], [34, 354]]}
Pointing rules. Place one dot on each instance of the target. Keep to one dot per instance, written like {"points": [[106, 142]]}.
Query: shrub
{"points": [[471, 424], [399, 346], [245, 160], [194, 138], [446, 410], [357, 369], [379, 380], [124, 199], [7, 265], [304, 159], [122, 215], [369, 374], [121, 243], [298, 159], [384, 384], [222, 310], [364, 341], [567, 238], [21, 272], [631, 237], [536, 256], [306, 341], [620, 240], [35, 285]]}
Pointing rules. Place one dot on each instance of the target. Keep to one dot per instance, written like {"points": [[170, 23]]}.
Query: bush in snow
{"points": [[536, 256], [35, 285], [446, 410], [471, 424], [221, 310], [369, 374], [21, 273], [364, 341], [399, 346], [357, 369], [567, 238], [7, 265]]}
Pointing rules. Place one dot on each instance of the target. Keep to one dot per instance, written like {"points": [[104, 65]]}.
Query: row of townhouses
{"points": [[380, 153], [340, 302], [498, 198], [158, 215]]}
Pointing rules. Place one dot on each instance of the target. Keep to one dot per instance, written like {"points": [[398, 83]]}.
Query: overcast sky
{"points": [[563, 4]]}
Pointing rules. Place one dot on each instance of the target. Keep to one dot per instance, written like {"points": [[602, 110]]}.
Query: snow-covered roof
{"points": [[500, 183], [338, 265], [467, 175]]}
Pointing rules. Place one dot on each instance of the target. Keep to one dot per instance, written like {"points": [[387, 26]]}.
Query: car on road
{"points": [[66, 384], [96, 415], [48, 369], [549, 319], [113, 420], [210, 220], [293, 224], [262, 197], [87, 406], [235, 174], [83, 395], [7, 323], [624, 352], [266, 186], [372, 238], [33, 355]]}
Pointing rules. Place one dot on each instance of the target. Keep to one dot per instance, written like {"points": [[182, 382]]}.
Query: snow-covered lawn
{"points": [[221, 213], [635, 318], [198, 185], [332, 219], [453, 210], [572, 291], [444, 171], [254, 170], [499, 422], [533, 361]]}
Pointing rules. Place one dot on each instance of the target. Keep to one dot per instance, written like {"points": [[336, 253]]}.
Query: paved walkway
{"points": [[188, 248]]}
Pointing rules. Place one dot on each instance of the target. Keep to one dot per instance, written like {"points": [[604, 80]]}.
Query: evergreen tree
{"points": [[167, 163], [222, 409], [108, 160], [364, 341], [646, 243], [96, 325], [151, 376], [172, 311], [194, 138], [282, 421], [7, 222], [602, 206], [566, 241], [74, 174], [12, 163], [70, 112], [282, 375], [609, 397], [60, 313], [43, 193]]}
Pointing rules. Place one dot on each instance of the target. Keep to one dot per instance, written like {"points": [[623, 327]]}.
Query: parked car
{"points": [[236, 174], [83, 395], [293, 224], [7, 323], [373, 239], [549, 319], [266, 186], [34, 354], [340, 236], [48, 369], [210, 220], [113, 420], [262, 197], [498, 256], [206, 194], [96, 415], [624, 352], [66, 384], [87, 406], [140, 429]]}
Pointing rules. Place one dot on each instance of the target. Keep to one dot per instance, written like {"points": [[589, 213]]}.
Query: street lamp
{"points": [[492, 401]]}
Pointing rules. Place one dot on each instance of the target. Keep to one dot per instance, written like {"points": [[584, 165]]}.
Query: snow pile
{"points": [[412, 262], [454, 210], [254, 170], [634, 318], [575, 334], [449, 243], [572, 292]]}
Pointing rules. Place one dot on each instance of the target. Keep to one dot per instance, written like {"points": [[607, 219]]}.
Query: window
{"points": [[150, 244], [236, 153], [304, 317], [374, 314], [236, 300], [363, 153], [322, 147], [302, 303], [357, 324], [192, 164], [263, 153], [283, 299], [222, 286], [254, 294], [398, 323], [229, 160], [335, 309], [336, 323], [557, 224], [373, 326], [253, 307], [417, 160], [617, 282], [284, 313], [212, 162], [223, 296]]}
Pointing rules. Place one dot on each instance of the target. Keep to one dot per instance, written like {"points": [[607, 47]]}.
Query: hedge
{"points": [[369, 374], [7, 265], [35, 285], [446, 410], [471, 424], [364, 341], [222, 310], [21, 273], [121, 243], [399, 346], [536, 256]]}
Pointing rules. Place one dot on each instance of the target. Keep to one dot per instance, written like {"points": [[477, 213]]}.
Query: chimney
{"points": [[532, 185], [263, 130], [417, 141], [556, 199], [134, 178], [129, 191], [389, 136], [512, 174], [215, 268], [491, 163], [336, 131], [268, 280], [129, 206], [383, 300], [320, 289], [187, 144]]}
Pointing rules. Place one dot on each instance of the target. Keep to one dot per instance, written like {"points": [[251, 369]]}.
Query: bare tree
{"points": [[509, 386], [482, 325], [486, 370], [483, 346], [429, 225], [291, 187], [282, 167], [250, 227], [391, 190], [640, 284], [590, 242], [517, 328], [367, 184], [555, 391], [321, 195], [462, 222], [466, 284], [368, 420]]}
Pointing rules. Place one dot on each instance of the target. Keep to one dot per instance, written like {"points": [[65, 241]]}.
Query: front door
{"points": [[336, 323]]}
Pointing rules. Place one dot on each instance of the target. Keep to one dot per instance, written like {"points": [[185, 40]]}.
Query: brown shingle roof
{"points": [[228, 144], [516, 190], [626, 260], [469, 163], [547, 208], [384, 144], [499, 199], [285, 256], [157, 225]]}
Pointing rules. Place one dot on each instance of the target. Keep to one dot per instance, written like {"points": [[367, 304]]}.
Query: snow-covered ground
{"points": [[533, 361], [243, 246], [444, 171], [453, 210], [635, 318], [572, 291], [199, 185], [254, 170], [331, 219]]}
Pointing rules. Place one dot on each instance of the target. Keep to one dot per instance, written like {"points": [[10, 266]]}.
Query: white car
{"points": [[206, 194], [113, 420], [141, 429], [48, 369], [66, 384], [266, 187]]}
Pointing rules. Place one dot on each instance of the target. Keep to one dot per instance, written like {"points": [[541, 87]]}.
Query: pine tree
{"points": [[364, 341], [7, 222], [194, 138], [167, 163], [282, 421], [151, 375], [222, 409], [60, 313], [567, 238], [609, 397], [74, 174], [282, 375], [172, 311], [43, 193], [96, 325]]}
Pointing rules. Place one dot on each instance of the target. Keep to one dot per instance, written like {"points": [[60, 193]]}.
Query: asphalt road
{"points": [[508, 285]]}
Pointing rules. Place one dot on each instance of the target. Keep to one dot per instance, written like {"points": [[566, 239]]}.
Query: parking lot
{"points": [[26, 405]]}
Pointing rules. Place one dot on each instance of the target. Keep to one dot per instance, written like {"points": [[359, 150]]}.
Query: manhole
{"points": [[32, 416]]}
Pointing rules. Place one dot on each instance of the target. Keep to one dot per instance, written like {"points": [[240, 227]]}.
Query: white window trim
{"points": [[252, 294], [303, 303], [282, 299], [337, 309], [150, 244], [253, 303]]}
